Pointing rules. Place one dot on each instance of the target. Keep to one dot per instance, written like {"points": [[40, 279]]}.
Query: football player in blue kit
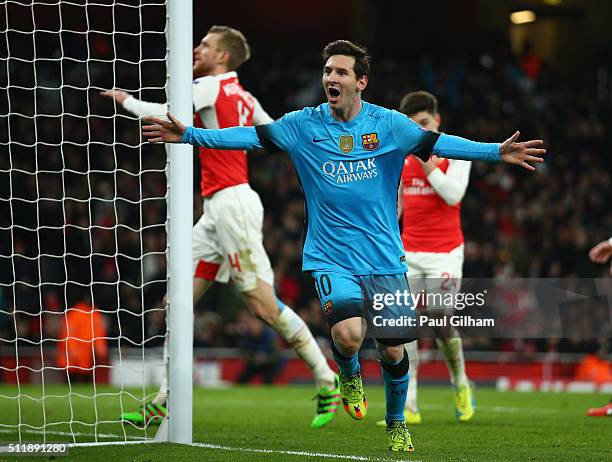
{"points": [[349, 156]]}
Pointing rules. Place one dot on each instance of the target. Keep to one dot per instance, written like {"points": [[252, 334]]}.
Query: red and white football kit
{"points": [[227, 240], [431, 223]]}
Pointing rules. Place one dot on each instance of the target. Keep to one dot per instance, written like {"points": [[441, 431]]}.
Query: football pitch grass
{"points": [[271, 423]]}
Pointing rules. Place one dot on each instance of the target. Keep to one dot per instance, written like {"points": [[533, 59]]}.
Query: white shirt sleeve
{"points": [[205, 92], [144, 108], [260, 116], [452, 186]]}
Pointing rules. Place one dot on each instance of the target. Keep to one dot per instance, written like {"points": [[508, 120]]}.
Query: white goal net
{"points": [[82, 219]]}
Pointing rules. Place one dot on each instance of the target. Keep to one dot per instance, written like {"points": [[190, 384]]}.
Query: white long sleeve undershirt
{"points": [[451, 186]]}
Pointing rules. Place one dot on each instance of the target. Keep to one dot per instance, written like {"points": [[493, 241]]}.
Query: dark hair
{"points": [[233, 41], [344, 47], [418, 101]]}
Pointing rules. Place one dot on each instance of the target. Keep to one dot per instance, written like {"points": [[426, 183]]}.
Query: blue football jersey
{"points": [[350, 173]]}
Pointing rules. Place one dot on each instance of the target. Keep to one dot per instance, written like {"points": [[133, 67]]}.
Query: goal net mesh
{"points": [[82, 219]]}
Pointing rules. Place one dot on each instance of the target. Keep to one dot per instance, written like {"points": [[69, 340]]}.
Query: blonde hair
{"points": [[233, 41]]}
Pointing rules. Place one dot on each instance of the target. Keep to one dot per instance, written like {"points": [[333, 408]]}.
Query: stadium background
{"points": [[488, 83]]}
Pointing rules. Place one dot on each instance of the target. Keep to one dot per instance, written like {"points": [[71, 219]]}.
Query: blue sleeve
{"points": [[455, 147], [226, 138], [283, 134], [411, 137]]}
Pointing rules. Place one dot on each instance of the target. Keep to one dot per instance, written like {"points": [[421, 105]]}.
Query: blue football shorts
{"points": [[382, 300]]}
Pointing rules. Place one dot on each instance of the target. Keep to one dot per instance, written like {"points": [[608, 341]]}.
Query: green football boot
{"points": [[353, 396], [398, 437], [328, 401], [464, 403], [149, 414]]}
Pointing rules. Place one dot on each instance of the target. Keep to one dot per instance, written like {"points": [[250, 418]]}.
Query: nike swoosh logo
{"points": [[315, 140]]}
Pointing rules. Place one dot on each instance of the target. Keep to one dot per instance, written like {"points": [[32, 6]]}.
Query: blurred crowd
{"points": [[91, 199]]}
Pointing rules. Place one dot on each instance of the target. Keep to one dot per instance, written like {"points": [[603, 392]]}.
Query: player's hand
{"points": [[118, 95], [601, 252], [163, 131], [430, 165], [520, 154]]}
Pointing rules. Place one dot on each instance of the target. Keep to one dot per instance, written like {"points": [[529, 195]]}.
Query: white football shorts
{"points": [[436, 273], [228, 240]]}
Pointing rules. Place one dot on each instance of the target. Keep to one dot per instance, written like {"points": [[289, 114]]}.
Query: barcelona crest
{"points": [[346, 143], [328, 307], [370, 141]]}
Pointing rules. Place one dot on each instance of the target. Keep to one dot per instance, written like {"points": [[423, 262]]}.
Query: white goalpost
{"points": [[95, 224], [180, 208]]}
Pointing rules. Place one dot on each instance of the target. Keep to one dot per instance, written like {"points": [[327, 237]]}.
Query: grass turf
{"points": [[507, 426]]}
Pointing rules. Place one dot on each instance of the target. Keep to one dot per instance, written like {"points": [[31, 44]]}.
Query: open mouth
{"points": [[334, 95]]}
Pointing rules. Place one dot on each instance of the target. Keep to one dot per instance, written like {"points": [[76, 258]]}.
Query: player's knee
{"points": [[392, 354], [267, 312], [262, 302], [347, 341]]}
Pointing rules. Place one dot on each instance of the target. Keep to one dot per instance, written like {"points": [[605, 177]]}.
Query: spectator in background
{"points": [[595, 367], [530, 61], [259, 346], [207, 329], [83, 342]]}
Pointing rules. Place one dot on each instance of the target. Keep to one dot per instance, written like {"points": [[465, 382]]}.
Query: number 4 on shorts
{"points": [[235, 263]]}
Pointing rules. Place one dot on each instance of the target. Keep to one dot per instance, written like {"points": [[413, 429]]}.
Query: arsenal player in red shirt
{"points": [[601, 253], [227, 240], [431, 194]]}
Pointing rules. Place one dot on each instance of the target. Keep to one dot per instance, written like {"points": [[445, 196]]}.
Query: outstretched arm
{"points": [[205, 92], [135, 106], [511, 152], [173, 131], [422, 143], [602, 252]]}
